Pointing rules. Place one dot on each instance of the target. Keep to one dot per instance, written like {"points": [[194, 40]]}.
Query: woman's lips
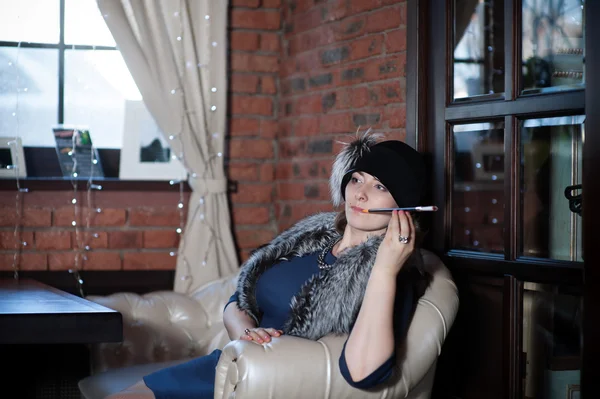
{"points": [[357, 209]]}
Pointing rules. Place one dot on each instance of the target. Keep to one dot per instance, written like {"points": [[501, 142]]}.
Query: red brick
{"points": [[310, 104], [30, 217], [125, 239], [386, 68], [245, 3], [396, 116], [244, 255], [102, 260], [154, 217], [244, 41], [305, 169], [63, 260], [270, 42], [253, 193], [337, 123], [109, 217], [269, 128], [244, 83], [250, 215], [245, 62], [335, 11], [251, 148], [285, 170], [285, 128], [387, 18], [256, 19], [271, 3], [88, 238], [252, 238], [161, 239], [149, 261], [358, 6], [321, 36], [290, 191], [8, 240], [267, 172], [64, 217], [387, 93], [292, 213], [8, 216], [37, 217], [53, 240], [307, 126], [309, 20], [243, 171], [395, 40], [268, 85], [244, 126], [366, 47], [359, 97], [249, 105], [25, 261], [292, 147], [301, 6], [350, 28]]}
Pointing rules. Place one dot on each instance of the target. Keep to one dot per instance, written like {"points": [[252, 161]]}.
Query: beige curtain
{"points": [[176, 52]]}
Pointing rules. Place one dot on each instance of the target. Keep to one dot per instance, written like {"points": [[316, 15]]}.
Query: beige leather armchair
{"points": [[166, 328]]}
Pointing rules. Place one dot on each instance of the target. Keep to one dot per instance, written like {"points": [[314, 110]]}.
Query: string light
{"points": [[82, 245], [17, 232]]}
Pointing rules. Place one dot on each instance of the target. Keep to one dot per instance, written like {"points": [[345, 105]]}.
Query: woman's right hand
{"points": [[261, 335]]}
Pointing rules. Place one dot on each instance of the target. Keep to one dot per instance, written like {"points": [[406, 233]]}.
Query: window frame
{"points": [[61, 47], [433, 113]]}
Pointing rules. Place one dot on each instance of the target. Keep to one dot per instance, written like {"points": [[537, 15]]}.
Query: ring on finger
{"points": [[403, 239], [247, 331]]}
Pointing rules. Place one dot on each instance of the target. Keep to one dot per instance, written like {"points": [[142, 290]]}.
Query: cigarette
{"points": [[431, 208]]}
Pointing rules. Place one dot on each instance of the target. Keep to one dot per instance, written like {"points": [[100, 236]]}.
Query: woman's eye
{"points": [[354, 180], [380, 187]]}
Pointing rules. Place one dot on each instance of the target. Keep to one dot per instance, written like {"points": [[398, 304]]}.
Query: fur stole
{"points": [[329, 302]]}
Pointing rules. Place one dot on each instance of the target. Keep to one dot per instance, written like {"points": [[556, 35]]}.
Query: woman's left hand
{"points": [[393, 252]]}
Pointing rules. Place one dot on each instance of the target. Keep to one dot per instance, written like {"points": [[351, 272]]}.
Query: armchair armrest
{"points": [[291, 367], [287, 367], [157, 327]]}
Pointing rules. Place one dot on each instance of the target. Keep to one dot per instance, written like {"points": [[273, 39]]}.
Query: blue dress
{"points": [[274, 290]]}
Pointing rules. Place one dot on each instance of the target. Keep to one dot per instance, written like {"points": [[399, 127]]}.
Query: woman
{"points": [[353, 273]]}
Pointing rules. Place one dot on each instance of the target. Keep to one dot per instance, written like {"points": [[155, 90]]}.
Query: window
{"points": [[512, 105], [60, 65]]}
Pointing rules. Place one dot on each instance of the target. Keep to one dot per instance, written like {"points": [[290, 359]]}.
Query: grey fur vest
{"points": [[329, 302]]}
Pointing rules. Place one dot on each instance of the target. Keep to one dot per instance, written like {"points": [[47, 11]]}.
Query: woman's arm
{"points": [[371, 341], [236, 321]]}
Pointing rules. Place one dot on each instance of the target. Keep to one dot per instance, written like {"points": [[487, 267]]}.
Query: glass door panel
{"points": [[553, 45], [551, 162], [478, 188], [551, 341], [478, 48]]}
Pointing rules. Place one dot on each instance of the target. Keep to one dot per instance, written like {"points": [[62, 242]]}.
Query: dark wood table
{"points": [[35, 313]]}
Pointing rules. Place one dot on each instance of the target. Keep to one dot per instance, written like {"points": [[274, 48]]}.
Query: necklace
{"points": [[324, 252]]}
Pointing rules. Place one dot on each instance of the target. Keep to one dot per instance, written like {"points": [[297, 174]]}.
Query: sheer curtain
{"points": [[176, 52]]}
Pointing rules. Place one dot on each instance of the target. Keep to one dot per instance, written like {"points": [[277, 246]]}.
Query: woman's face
{"points": [[364, 191]]}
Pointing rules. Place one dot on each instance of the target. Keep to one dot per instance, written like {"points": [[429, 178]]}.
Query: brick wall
{"points": [[303, 75], [132, 231], [343, 67], [255, 44]]}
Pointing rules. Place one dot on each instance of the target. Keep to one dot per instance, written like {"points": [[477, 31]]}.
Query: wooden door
{"points": [[500, 99]]}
